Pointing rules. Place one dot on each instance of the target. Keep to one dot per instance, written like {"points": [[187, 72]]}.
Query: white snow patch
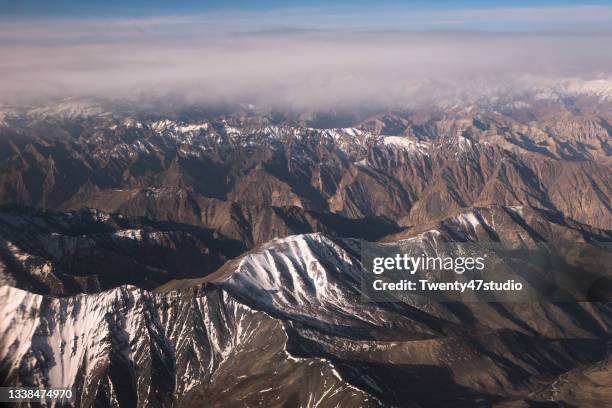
{"points": [[413, 146]]}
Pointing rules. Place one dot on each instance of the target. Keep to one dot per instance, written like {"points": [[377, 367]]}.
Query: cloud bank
{"points": [[304, 59]]}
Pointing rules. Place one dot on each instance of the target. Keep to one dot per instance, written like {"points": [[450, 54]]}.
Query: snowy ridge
{"points": [[466, 223], [235, 332], [199, 136], [564, 88], [4, 116], [412, 146], [601, 88], [292, 267], [166, 344], [306, 277], [68, 339], [199, 139], [69, 110]]}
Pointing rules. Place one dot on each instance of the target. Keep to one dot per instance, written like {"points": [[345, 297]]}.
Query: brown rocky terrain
{"points": [[219, 173]]}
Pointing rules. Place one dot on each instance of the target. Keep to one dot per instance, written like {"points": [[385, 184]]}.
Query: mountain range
{"points": [[211, 257]]}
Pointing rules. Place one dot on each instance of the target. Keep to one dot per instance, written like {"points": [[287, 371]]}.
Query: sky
{"points": [[18, 10], [317, 54], [132, 8]]}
